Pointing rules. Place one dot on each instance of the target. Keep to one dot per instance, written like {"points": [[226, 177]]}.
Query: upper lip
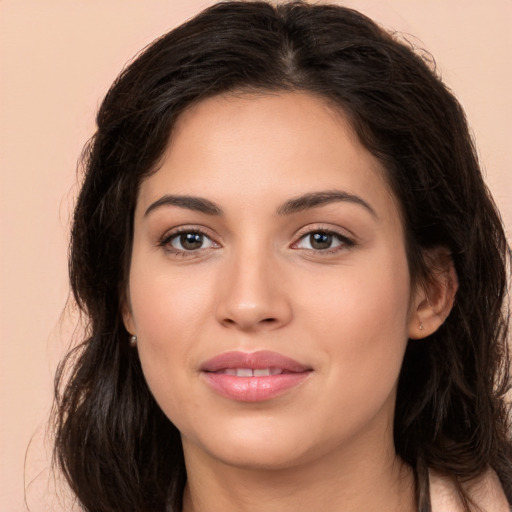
{"points": [[254, 360]]}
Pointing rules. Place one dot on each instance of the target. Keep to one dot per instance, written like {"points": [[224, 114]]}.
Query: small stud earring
{"points": [[133, 341], [421, 327]]}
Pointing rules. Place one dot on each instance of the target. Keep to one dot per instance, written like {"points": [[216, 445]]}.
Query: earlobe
{"points": [[126, 312], [433, 299], [128, 321], [129, 324]]}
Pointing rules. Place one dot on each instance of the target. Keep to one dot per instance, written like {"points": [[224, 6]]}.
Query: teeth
{"points": [[264, 372], [247, 372]]}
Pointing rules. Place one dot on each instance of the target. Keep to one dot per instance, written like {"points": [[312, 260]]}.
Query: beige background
{"points": [[57, 59]]}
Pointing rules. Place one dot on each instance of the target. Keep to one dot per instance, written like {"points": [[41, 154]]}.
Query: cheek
{"points": [[169, 315], [360, 318], [167, 307], [358, 300]]}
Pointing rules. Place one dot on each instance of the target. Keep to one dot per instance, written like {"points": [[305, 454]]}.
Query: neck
{"points": [[376, 480]]}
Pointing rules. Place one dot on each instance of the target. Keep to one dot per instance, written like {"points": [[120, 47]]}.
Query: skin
{"points": [[257, 283]]}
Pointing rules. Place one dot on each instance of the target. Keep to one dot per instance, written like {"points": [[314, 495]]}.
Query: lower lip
{"points": [[254, 389]]}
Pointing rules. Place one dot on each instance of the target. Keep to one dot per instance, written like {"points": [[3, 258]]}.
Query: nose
{"points": [[253, 294]]}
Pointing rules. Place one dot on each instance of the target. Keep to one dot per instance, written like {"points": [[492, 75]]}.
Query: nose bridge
{"points": [[251, 294]]}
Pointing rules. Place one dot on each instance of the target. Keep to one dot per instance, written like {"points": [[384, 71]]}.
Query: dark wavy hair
{"points": [[115, 446]]}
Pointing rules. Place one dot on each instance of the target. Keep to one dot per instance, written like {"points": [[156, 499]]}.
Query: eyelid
{"points": [[165, 240], [347, 241]]}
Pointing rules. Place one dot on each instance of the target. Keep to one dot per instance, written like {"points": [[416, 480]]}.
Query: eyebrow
{"points": [[197, 204], [295, 205], [316, 199]]}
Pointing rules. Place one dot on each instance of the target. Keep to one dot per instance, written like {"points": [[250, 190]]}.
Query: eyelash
{"points": [[345, 242], [166, 241]]}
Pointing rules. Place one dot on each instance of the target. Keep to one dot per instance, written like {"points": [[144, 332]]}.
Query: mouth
{"points": [[248, 372], [255, 376]]}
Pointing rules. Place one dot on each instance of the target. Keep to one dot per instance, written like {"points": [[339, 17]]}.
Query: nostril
{"points": [[265, 321]]}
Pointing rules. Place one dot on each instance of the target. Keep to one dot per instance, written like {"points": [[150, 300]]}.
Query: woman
{"points": [[295, 279]]}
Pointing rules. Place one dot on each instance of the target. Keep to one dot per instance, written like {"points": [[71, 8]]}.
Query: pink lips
{"points": [[254, 376]]}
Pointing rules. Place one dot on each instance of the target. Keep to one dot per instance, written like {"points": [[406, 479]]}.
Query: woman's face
{"points": [[269, 287]]}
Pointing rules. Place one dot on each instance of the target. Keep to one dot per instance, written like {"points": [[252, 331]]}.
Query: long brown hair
{"points": [[117, 449]]}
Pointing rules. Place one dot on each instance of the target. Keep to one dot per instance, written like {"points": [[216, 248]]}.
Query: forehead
{"points": [[254, 147]]}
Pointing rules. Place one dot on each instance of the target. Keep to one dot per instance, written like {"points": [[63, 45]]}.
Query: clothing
{"points": [[486, 492]]}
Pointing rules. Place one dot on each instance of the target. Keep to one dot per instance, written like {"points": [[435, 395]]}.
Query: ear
{"points": [[126, 311], [433, 299]]}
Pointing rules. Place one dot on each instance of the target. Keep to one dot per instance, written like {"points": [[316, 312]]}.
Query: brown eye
{"points": [[320, 240], [190, 241], [323, 241]]}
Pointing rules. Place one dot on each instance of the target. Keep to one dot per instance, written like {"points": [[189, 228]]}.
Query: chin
{"points": [[257, 459], [252, 448]]}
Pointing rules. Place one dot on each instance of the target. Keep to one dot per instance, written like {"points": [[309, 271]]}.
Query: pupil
{"points": [[191, 241], [321, 240]]}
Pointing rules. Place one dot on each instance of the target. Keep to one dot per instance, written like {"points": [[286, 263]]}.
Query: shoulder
{"points": [[485, 491]]}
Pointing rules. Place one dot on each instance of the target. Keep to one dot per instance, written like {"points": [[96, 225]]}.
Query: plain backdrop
{"points": [[58, 58]]}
